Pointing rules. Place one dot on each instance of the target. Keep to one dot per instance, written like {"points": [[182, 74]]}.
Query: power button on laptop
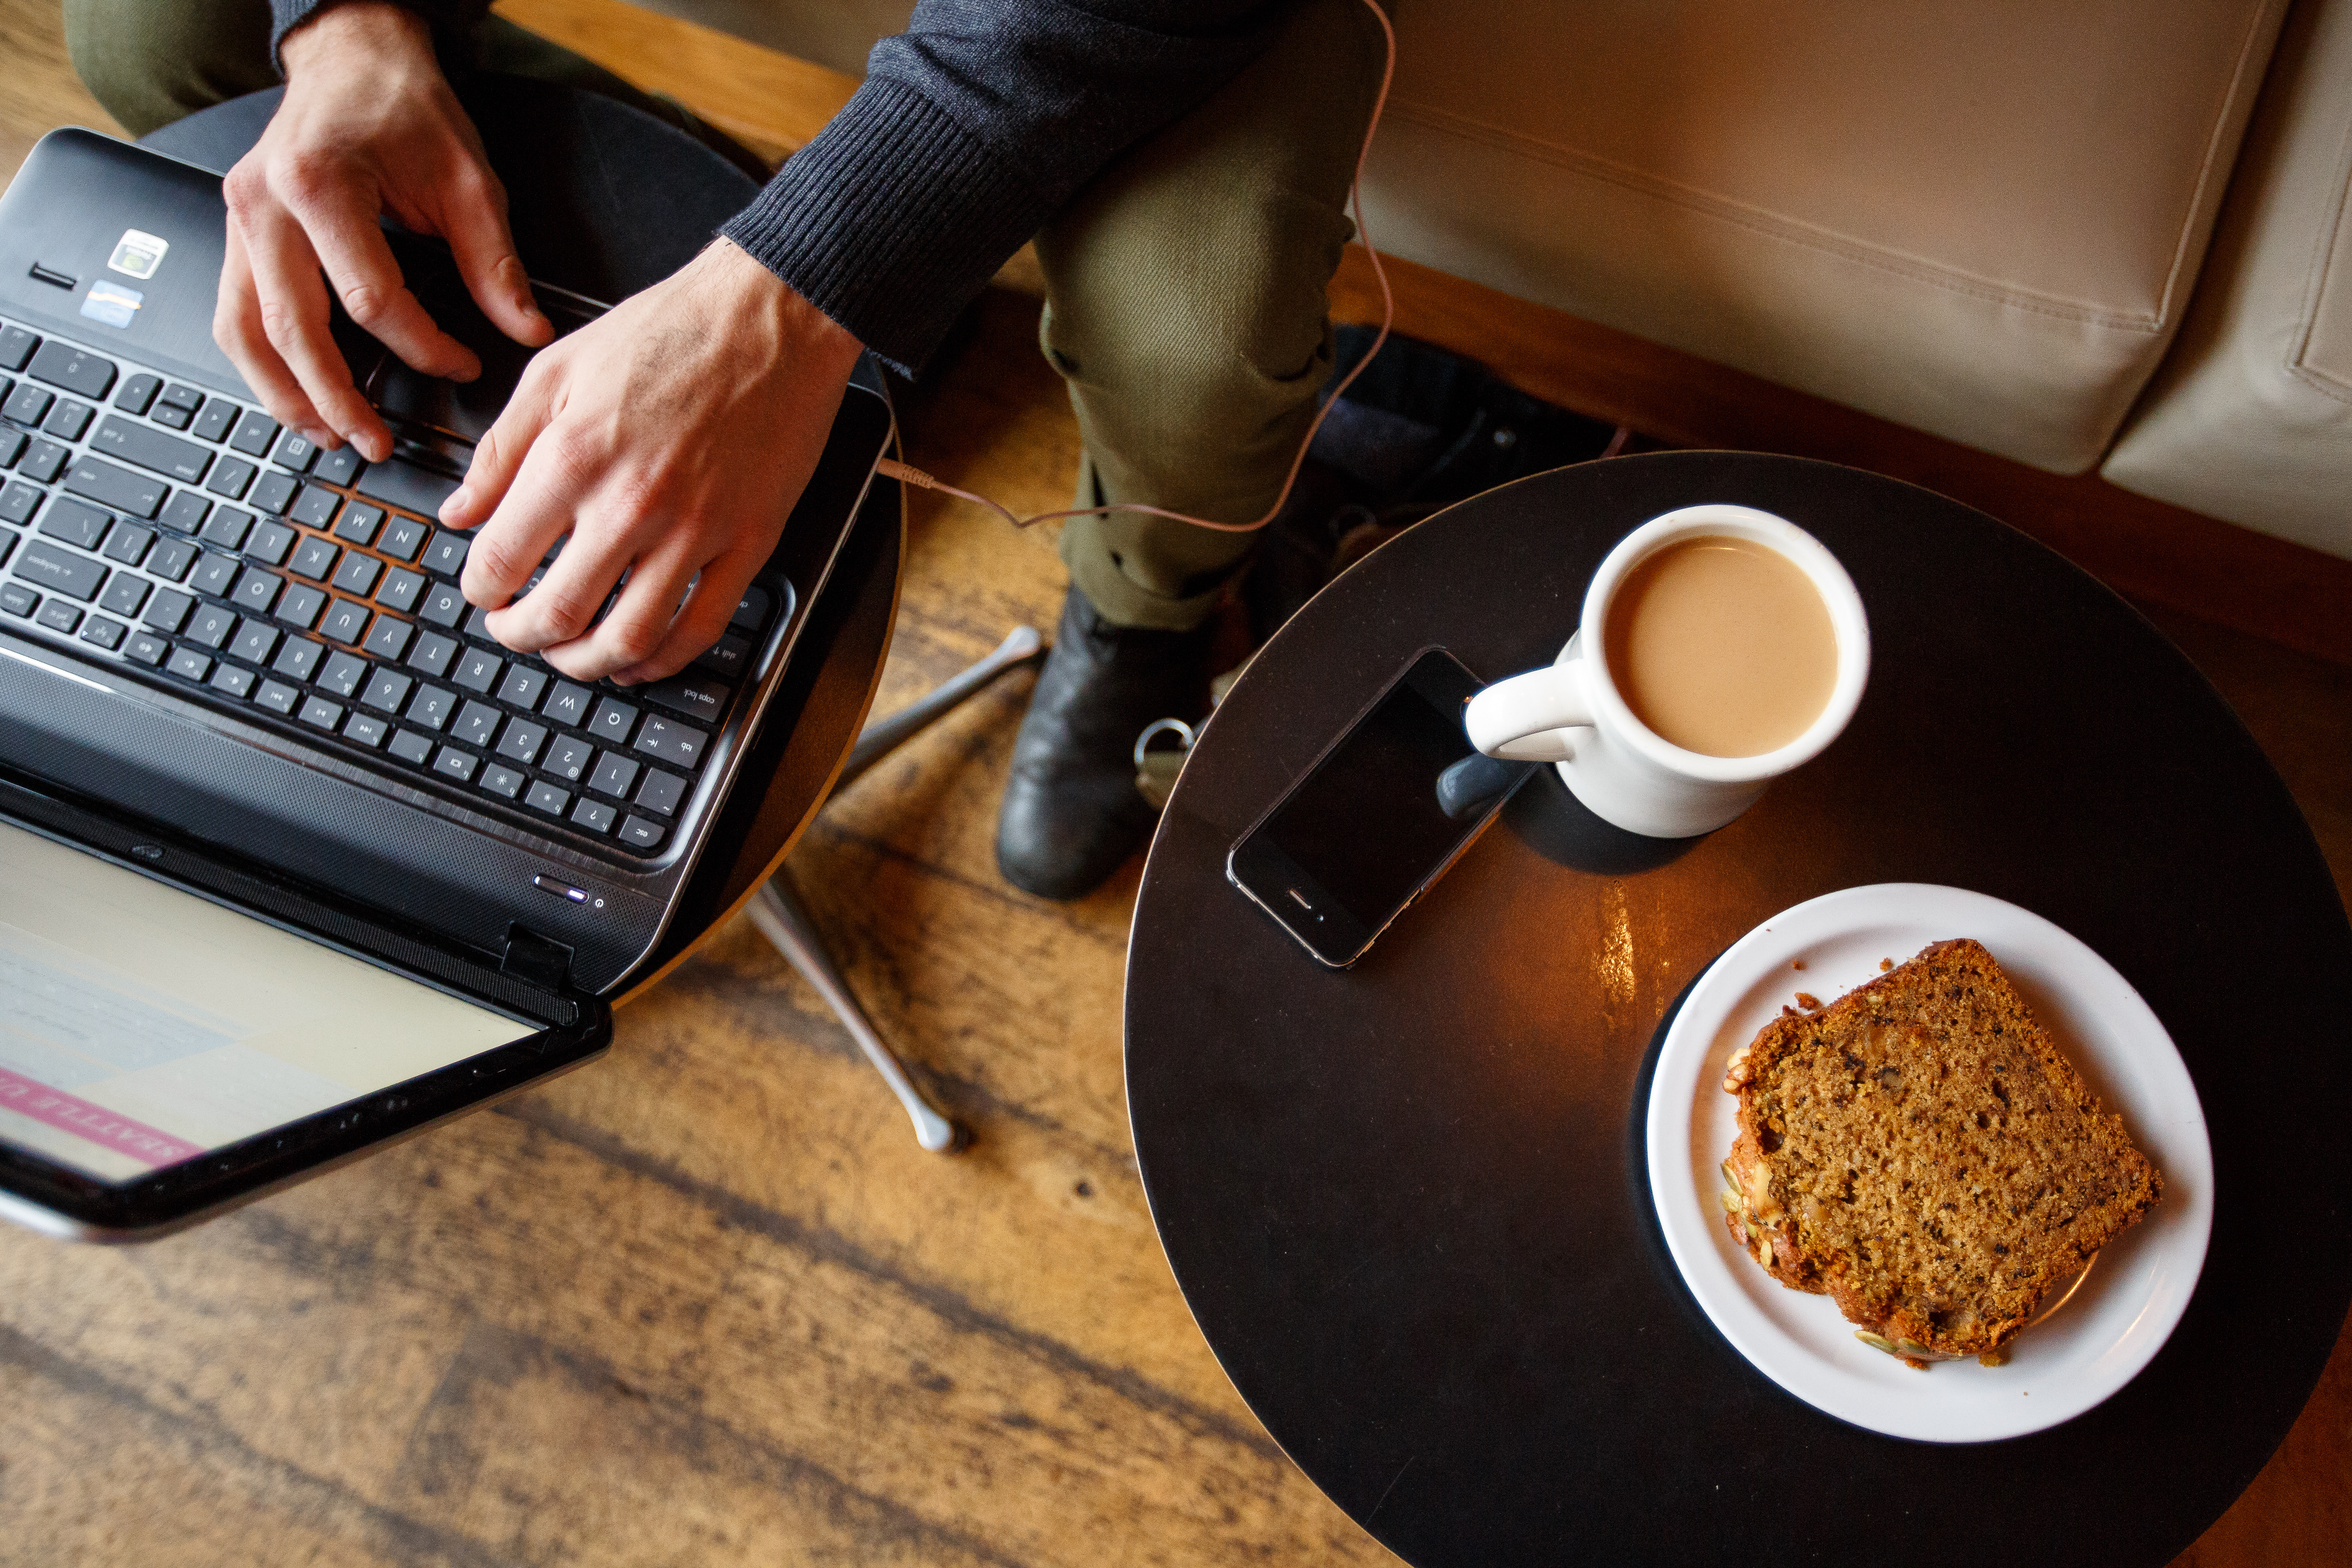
{"points": [[567, 892]]}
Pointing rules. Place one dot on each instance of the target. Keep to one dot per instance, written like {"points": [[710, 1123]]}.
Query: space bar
{"points": [[406, 486]]}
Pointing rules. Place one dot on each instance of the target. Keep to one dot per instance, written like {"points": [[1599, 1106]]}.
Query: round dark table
{"points": [[1407, 1204], [605, 200]]}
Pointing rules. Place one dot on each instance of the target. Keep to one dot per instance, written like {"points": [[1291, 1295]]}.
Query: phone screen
{"points": [[1368, 827]]}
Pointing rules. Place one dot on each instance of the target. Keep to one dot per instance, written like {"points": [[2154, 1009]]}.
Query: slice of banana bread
{"points": [[1922, 1152]]}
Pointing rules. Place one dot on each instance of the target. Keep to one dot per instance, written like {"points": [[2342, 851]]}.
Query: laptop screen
{"points": [[142, 1025]]}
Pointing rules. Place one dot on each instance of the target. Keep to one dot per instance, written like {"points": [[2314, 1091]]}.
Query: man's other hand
{"points": [[670, 439], [368, 126]]}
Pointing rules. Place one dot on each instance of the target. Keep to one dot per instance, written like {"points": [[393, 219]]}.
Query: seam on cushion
{"points": [[1788, 231], [2180, 256], [2322, 254]]}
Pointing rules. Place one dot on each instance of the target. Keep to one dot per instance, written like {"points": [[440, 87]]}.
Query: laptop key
{"points": [[68, 419], [661, 792], [188, 664], [17, 599], [184, 397], [346, 622], [671, 741], [546, 797], [168, 610], [387, 691], [433, 707], [144, 446], [300, 604], [752, 610], [402, 538], [215, 574], [278, 697], [314, 558], [400, 589], [257, 591], [253, 435], [339, 467], [613, 722], [320, 711], [230, 478], [45, 565], [366, 728], [172, 415], [411, 747], [171, 558], [359, 522], [44, 462], [298, 657], [342, 674], [478, 670], [106, 633], [146, 648], [75, 523], [271, 541], [211, 624], [228, 528], [451, 763], [236, 682], [8, 538], [522, 741], [28, 405], [256, 641], [503, 781], [388, 639], [214, 423], [639, 834], [273, 491], [358, 573], [76, 369], [137, 392], [59, 616], [295, 452], [13, 442], [445, 605], [17, 346], [314, 506], [17, 502], [184, 511], [593, 815], [477, 723], [396, 482], [567, 704], [124, 595], [614, 775], [730, 656], [689, 695], [445, 556], [128, 543], [432, 653], [522, 686], [118, 487], [568, 759]]}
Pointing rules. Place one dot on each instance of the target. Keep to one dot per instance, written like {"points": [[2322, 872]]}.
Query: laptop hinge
{"points": [[535, 960]]}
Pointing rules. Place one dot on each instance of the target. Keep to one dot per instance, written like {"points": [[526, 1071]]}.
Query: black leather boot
{"points": [[1071, 815]]}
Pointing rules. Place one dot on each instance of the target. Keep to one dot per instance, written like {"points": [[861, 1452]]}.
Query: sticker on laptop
{"points": [[137, 254], [112, 303]]}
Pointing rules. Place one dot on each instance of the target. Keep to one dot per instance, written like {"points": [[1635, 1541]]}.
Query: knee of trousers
{"points": [[1193, 348], [148, 62]]}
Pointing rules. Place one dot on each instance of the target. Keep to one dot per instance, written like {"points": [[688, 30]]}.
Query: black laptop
{"points": [[295, 858]]}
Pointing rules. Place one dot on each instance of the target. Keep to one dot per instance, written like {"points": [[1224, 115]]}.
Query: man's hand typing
{"points": [[369, 126], [670, 439]]}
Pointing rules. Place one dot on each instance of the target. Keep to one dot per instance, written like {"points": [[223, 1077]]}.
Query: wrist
{"points": [[814, 339], [366, 35]]}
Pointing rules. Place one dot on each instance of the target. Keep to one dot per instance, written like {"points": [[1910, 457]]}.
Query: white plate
{"points": [[2133, 1295]]}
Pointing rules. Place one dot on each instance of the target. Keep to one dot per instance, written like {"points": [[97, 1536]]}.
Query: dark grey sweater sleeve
{"points": [[972, 129], [447, 16]]}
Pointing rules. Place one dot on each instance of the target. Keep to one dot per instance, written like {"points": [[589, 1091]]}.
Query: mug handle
{"points": [[1527, 718]]}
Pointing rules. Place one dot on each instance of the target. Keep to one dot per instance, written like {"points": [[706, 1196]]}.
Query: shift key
{"points": [[118, 487], [406, 486], [49, 568], [151, 448], [689, 695]]}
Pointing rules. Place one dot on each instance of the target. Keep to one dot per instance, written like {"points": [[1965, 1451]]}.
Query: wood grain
{"points": [[705, 1302]]}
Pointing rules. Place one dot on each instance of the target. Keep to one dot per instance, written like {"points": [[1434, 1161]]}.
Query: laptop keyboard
{"points": [[186, 533]]}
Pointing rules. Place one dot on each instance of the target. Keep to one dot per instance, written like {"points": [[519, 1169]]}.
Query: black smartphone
{"points": [[1377, 819]]}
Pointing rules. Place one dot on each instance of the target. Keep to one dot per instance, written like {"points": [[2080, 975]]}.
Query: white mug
{"points": [[1571, 713]]}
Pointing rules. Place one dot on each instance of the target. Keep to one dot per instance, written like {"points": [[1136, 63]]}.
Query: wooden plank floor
{"points": [[705, 1302]]}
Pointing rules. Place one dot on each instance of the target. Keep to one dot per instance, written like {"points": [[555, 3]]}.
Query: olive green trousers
{"points": [[1185, 286]]}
